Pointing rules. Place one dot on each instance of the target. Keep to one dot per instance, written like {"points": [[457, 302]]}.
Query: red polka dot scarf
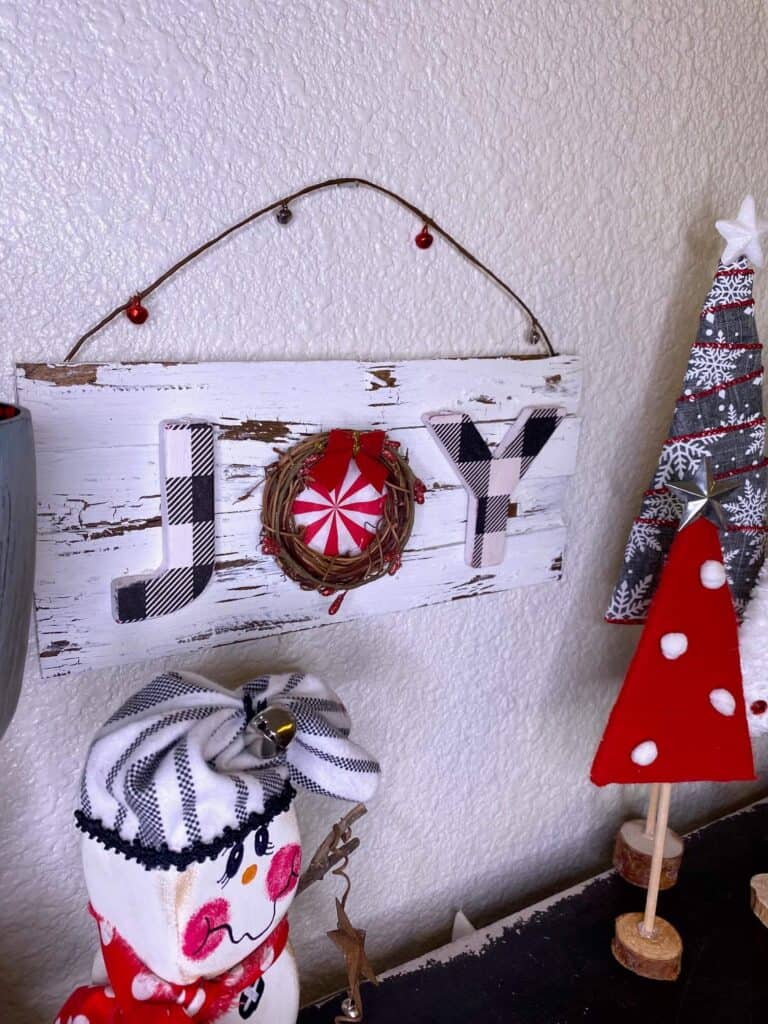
{"points": [[135, 995]]}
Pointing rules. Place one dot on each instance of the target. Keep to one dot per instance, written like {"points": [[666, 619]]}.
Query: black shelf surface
{"points": [[556, 967]]}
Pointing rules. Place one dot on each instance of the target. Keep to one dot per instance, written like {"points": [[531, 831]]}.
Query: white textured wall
{"points": [[584, 149]]}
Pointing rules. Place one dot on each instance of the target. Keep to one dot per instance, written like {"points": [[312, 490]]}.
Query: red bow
{"points": [[341, 448], [137, 996]]}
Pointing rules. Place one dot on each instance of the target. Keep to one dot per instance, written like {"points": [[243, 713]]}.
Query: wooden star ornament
{"points": [[351, 942]]}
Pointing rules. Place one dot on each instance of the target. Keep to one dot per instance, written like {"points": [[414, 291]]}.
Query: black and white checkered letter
{"points": [[186, 460], [491, 479]]}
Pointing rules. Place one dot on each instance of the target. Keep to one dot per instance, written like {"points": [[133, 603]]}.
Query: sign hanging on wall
{"points": [[153, 538]]}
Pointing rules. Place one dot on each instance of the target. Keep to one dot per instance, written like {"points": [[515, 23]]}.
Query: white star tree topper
{"points": [[743, 234]]}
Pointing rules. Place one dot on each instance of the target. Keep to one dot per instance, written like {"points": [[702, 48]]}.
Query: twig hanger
{"points": [[537, 333]]}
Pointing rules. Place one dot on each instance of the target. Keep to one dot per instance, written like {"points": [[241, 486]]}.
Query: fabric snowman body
{"points": [[205, 919], [753, 648], [191, 848]]}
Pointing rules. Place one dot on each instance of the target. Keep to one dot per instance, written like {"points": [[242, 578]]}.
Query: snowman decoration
{"points": [[191, 847], [753, 648]]}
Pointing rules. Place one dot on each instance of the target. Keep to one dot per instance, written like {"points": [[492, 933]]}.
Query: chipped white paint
{"points": [[96, 428]]}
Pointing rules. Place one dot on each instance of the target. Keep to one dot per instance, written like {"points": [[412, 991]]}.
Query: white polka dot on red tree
{"points": [[712, 574], [645, 753], [674, 645]]}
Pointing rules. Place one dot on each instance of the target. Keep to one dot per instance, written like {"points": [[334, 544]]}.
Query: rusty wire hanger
{"points": [[537, 333]]}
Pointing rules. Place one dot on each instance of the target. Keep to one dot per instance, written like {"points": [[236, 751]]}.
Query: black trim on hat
{"points": [[163, 858]]}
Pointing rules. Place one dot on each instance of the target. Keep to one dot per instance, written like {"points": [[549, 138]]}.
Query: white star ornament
{"points": [[743, 235]]}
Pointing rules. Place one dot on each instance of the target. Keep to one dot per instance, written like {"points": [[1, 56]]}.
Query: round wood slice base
{"points": [[633, 851], [657, 957], [758, 887]]}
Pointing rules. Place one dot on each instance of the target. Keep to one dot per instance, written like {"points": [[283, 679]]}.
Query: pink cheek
{"points": [[284, 871], [198, 942]]}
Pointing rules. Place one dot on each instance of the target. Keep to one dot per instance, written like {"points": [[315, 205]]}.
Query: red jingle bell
{"points": [[135, 312], [424, 239]]}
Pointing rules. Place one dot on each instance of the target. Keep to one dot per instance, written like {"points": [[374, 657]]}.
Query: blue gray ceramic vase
{"points": [[17, 551]]}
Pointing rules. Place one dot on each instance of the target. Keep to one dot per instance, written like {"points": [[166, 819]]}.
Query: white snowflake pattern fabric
{"points": [[720, 415], [643, 537], [748, 507], [630, 601], [710, 365], [680, 456]]}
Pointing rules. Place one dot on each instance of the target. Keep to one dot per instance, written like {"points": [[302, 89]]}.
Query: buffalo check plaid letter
{"points": [[491, 480], [186, 460]]}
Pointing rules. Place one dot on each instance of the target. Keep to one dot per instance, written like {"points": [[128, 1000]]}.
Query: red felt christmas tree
{"points": [[680, 716]]}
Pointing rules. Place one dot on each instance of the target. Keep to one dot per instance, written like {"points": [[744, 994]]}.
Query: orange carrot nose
{"points": [[249, 874]]}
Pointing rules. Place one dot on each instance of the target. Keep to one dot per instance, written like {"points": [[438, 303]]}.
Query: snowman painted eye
{"points": [[261, 843], [234, 860]]}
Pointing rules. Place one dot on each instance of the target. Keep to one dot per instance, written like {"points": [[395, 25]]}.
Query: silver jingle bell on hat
{"points": [[270, 731]]}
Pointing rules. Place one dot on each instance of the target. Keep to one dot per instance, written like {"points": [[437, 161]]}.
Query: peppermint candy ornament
{"points": [[341, 521], [338, 510]]}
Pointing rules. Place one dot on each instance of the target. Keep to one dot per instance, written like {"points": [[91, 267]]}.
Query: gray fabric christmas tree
{"points": [[719, 414]]}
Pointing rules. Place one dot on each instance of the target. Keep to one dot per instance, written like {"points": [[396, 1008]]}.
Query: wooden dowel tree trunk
{"points": [[662, 801], [645, 943], [653, 809]]}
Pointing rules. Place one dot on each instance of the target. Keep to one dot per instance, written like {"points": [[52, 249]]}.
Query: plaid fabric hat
{"points": [[177, 774]]}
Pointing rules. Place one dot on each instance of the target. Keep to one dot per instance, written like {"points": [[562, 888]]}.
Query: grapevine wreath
{"points": [[338, 510]]}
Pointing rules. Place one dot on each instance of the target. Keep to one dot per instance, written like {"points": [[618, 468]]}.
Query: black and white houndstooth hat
{"points": [[175, 775]]}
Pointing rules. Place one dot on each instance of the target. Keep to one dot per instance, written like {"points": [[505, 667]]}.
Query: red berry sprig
{"points": [[269, 546]]}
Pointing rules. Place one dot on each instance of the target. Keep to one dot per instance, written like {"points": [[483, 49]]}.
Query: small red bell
{"points": [[424, 239], [135, 312]]}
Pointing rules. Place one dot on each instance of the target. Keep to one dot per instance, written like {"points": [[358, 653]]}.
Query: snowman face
{"points": [[236, 900], [203, 920]]}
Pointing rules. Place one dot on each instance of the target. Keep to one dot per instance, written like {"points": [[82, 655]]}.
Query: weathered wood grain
{"points": [[96, 430]]}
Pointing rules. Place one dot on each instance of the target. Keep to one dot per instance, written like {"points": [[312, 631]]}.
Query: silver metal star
{"points": [[701, 495]]}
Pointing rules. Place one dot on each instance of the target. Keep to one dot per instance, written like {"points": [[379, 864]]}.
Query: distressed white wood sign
{"points": [[97, 430]]}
